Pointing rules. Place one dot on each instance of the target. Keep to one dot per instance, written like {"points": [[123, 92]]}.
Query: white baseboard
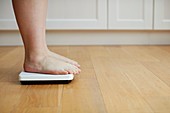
{"points": [[93, 37]]}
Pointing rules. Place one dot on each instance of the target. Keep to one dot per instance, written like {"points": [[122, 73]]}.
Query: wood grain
{"points": [[119, 93], [83, 94], [114, 79]]}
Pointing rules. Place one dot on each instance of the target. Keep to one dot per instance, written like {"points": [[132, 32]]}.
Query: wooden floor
{"points": [[114, 79]]}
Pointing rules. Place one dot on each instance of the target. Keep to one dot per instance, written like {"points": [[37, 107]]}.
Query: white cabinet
{"points": [[77, 14], [7, 19], [98, 14], [162, 14], [130, 14], [63, 14]]}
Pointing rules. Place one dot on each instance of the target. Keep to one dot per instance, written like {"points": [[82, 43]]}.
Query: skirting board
{"points": [[93, 37]]}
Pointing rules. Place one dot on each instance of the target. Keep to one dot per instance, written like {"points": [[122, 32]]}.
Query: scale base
{"points": [[27, 78], [44, 82]]}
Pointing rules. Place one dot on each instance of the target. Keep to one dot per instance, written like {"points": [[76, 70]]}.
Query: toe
{"points": [[62, 72], [77, 71], [77, 65], [74, 63], [70, 71]]}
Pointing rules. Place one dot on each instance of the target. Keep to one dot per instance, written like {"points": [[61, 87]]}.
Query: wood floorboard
{"points": [[120, 95], [5, 50], [138, 53], [160, 69], [36, 110], [114, 79], [153, 90], [83, 94], [11, 65]]}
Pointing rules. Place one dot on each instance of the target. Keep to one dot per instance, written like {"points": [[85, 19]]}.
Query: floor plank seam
{"points": [[139, 91], [99, 86], [60, 97], [156, 76]]}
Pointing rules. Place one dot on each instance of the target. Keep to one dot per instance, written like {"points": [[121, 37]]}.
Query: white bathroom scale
{"points": [[36, 78]]}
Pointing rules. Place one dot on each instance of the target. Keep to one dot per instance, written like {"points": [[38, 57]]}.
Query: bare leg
{"points": [[31, 16]]}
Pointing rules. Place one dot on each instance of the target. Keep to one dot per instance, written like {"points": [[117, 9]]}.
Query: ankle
{"points": [[35, 57], [33, 54], [33, 62]]}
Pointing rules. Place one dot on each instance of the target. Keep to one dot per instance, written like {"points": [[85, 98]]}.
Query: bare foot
{"points": [[62, 58], [49, 64]]}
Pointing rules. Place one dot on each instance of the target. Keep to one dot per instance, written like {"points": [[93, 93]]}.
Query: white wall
{"points": [[93, 37]]}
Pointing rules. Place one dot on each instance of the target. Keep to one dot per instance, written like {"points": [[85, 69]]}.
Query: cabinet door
{"points": [[162, 15], [77, 14], [63, 14], [130, 14], [7, 19]]}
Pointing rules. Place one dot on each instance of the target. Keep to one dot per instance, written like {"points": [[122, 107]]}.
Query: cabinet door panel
{"points": [[63, 14], [77, 14], [130, 14], [7, 19], [162, 15]]}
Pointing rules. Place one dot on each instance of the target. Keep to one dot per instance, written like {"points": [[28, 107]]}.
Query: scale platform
{"points": [[27, 78]]}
